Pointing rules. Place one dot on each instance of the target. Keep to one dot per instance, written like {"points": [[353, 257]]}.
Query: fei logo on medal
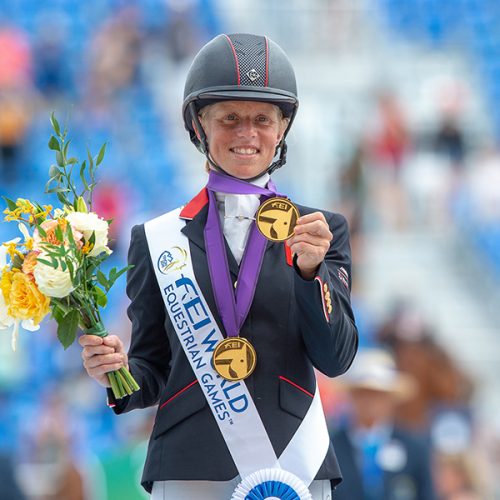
{"points": [[172, 260]]}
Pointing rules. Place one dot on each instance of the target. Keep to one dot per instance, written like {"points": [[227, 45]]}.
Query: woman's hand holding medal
{"points": [[310, 242], [308, 237]]}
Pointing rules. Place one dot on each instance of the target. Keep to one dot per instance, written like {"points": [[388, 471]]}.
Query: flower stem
{"points": [[114, 386]]}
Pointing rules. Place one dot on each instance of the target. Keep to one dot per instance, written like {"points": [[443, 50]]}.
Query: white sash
{"points": [[230, 402]]}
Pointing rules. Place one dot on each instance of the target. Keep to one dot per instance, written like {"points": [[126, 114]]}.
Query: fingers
{"points": [[304, 219], [90, 340], [310, 242], [315, 251], [312, 229], [102, 360], [114, 342], [101, 355], [99, 372], [315, 226], [310, 238]]}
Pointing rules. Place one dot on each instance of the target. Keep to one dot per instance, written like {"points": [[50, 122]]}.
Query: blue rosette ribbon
{"points": [[271, 484]]}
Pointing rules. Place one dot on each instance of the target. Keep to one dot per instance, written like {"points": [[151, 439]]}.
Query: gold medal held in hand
{"points": [[234, 358], [276, 218]]}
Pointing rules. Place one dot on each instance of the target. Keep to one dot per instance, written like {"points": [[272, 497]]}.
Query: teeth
{"points": [[245, 151]]}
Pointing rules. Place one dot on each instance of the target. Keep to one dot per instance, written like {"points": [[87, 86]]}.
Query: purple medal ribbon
{"points": [[233, 306]]}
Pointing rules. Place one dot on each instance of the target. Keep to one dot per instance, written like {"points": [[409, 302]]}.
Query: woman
{"points": [[226, 325]]}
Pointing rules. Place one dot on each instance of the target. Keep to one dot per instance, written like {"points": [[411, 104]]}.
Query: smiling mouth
{"points": [[244, 151]]}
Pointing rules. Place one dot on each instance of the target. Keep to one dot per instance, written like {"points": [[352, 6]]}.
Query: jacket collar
{"points": [[195, 213]]}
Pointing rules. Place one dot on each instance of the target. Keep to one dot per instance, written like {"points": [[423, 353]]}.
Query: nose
{"points": [[246, 128]]}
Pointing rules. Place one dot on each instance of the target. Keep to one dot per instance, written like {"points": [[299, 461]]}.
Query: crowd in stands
{"points": [[98, 66]]}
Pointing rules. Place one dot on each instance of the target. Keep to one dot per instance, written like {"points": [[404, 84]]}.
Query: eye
{"points": [[231, 117], [262, 119]]}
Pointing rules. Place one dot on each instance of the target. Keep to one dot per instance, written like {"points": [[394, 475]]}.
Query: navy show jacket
{"points": [[295, 325]]}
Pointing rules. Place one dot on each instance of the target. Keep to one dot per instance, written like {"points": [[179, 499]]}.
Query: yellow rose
{"points": [[6, 284], [25, 300]]}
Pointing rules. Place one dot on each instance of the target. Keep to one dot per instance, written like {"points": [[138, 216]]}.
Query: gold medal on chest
{"points": [[276, 218], [234, 358]]}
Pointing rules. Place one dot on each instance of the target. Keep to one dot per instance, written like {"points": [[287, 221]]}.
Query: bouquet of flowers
{"points": [[55, 267]]}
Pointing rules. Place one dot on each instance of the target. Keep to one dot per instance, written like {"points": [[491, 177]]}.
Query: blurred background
{"points": [[398, 129]]}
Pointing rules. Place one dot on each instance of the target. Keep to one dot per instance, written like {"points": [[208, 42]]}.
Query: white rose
{"points": [[88, 223], [52, 282]]}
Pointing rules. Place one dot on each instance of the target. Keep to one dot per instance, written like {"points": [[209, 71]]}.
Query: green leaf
{"points": [[101, 154], [66, 146], [91, 240], [71, 268], [59, 233], [72, 161], [54, 172], [69, 235], [41, 231], [62, 198], [59, 159], [100, 297], [101, 278], [46, 262], [91, 160], [83, 166], [57, 313], [55, 124], [54, 144], [17, 262], [10, 203], [116, 275], [66, 328]]}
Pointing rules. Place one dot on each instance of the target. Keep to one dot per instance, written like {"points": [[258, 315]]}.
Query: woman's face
{"points": [[242, 135]]}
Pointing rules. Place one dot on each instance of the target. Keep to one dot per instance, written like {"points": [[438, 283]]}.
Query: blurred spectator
{"points": [[416, 353], [450, 142], [353, 191], [52, 60], [379, 459], [15, 118], [16, 73], [181, 32], [16, 62], [115, 56], [10, 489], [456, 478], [391, 139], [109, 202], [388, 143], [52, 473]]}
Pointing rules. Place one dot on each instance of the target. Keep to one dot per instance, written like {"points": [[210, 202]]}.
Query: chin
{"points": [[246, 173]]}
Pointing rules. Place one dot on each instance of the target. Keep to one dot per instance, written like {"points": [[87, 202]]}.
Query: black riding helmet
{"points": [[239, 67]]}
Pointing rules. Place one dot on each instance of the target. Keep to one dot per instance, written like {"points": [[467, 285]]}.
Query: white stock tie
{"points": [[239, 212]]}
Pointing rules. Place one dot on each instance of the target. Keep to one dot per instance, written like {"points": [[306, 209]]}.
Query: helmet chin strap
{"points": [[203, 147]]}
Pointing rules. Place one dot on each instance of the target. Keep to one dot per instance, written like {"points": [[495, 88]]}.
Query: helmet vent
{"points": [[251, 51]]}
